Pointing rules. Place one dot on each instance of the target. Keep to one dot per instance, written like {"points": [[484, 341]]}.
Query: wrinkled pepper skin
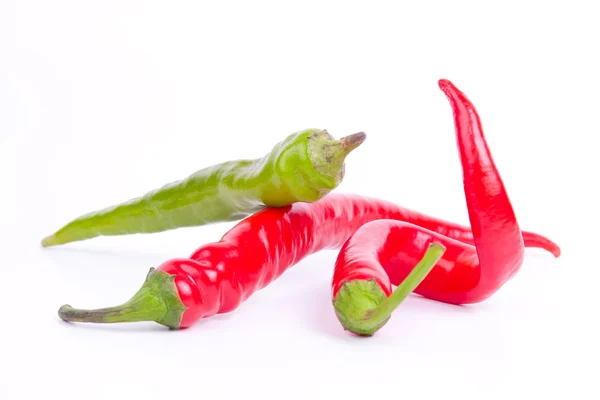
{"points": [[384, 252], [305, 166], [219, 276]]}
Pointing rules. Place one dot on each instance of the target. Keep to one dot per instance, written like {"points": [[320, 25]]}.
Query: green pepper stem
{"points": [[329, 155], [380, 314], [341, 148], [351, 142], [157, 300], [135, 310]]}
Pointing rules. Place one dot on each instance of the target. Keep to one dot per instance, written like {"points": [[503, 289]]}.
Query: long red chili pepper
{"points": [[382, 253], [219, 276]]}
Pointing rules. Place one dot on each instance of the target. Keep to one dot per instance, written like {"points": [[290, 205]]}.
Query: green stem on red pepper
{"points": [[155, 301], [363, 307]]}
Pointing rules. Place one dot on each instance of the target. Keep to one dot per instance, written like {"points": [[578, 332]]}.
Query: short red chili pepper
{"points": [[219, 276], [382, 253]]}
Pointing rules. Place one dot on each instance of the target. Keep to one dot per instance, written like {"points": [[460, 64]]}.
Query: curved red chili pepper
{"points": [[384, 252], [219, 276]]}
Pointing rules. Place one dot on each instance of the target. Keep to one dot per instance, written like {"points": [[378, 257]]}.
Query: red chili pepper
{"points": [[382, 253], [218, 277]]}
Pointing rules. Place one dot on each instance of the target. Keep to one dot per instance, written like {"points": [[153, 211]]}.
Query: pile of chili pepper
{"points": [[291, 214]]}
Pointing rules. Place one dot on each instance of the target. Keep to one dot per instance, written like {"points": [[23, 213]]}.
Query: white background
{"points": [[102, 101]]}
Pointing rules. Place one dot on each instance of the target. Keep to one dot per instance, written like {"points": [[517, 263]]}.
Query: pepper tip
{"points": [[445, 84], [49, 241]]}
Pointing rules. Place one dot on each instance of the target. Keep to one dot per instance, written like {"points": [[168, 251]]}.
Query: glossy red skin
{"points": [[465, 273], [218, 277]]}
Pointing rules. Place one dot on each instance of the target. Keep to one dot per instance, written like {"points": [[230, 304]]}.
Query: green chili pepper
{"points": [[303, 167]]}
